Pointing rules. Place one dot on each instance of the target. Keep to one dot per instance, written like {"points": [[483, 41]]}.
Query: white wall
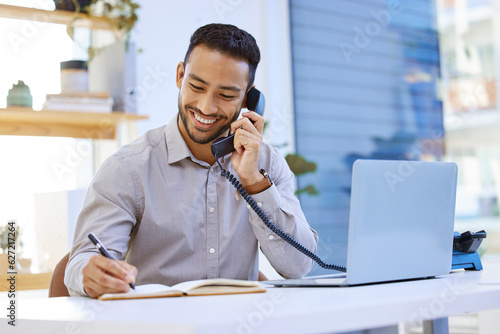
{"points": [[163, 32]]}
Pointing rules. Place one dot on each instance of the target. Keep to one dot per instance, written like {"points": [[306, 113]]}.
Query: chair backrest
{"points": [[57, 287]]}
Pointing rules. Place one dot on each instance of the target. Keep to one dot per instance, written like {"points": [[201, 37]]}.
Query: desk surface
{"points": [[279, 310]]}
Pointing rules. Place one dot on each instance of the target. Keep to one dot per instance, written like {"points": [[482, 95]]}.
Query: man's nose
{"points": [[207, 104]]}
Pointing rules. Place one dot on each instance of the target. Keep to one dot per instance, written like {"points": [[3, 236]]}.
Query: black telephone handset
{"points": [[255, 102], [223, 146]]}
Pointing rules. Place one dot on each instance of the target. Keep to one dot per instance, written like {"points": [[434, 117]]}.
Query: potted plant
{"points": [[5, 242], [72, 5], [121, 14], [6, 239], [299, 166]]}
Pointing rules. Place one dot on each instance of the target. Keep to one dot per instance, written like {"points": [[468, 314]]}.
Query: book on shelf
{"points": [[80, 101], [207, 287]]}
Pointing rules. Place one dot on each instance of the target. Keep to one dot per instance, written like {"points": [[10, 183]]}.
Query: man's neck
{"points": [[200, 151]]}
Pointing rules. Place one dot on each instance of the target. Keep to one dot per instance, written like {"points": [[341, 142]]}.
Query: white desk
{"points": [[279, 310]]}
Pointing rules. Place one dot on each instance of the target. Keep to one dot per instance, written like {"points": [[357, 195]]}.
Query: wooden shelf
{"points": [[26, 281], [55, 16], [19, 121]]}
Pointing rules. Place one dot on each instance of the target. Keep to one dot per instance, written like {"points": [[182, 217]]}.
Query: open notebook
{"points": [[217, 286]]}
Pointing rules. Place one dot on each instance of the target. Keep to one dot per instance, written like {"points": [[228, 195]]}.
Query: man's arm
{"points": [[282, 207], [278, 202], [110, 212]]}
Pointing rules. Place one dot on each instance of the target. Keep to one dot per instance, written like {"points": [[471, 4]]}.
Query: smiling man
{"points": [[160, 205]]}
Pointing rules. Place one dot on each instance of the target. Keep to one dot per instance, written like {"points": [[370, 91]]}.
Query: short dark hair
{"points": [[230, 40]]}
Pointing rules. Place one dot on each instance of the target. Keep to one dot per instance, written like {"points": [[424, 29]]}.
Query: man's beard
{"points": [[184, 115]]}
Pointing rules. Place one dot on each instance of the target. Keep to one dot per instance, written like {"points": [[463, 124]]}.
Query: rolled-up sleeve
{"points": [[110, 212]]}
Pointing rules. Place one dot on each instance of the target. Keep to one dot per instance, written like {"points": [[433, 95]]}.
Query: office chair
{"points": [[57, 287]]}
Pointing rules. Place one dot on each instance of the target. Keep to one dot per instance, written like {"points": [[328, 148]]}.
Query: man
{"points": [[160, 203]]}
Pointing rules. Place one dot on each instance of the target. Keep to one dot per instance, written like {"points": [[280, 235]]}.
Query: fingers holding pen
{"points": [[102, 275]]}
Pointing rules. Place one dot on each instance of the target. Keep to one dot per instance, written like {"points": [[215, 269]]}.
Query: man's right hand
{"points": [[102, 275]]}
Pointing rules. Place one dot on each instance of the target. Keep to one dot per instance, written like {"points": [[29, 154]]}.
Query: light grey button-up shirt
{"points": [[176, 218]]}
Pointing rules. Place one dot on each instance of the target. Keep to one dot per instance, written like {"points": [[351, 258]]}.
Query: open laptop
{"points": [[400, 226]]}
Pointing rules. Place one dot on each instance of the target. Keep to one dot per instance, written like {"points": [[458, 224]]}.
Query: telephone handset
{"points": [[223, 146], [255, 102]]}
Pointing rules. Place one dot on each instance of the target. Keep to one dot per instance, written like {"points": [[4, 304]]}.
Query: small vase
{"points": [[19, 95]]}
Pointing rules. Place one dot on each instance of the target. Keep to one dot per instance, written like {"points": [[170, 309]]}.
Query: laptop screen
{"points": [[401, 220]]}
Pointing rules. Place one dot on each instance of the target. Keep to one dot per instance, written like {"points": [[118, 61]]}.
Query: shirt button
{"points": [[271, 237], [212, 250], [259, 204], [212, 169], [211, 209]]}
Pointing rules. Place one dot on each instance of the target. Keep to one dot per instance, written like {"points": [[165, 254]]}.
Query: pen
{"points": [[104, 251]]}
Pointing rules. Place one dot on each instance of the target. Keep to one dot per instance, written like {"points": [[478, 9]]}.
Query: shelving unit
{"points": [[26, 281], [18, 121], [55, 16]]}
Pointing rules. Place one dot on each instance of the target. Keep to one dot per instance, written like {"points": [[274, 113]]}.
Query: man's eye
{"points": [[227, 96], [195, 87]]}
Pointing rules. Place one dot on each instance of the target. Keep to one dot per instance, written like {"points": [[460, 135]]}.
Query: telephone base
{"points": [[469, 261], [465, 247]]}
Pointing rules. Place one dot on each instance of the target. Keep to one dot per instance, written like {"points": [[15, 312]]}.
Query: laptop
{"points": [[400, 226]]}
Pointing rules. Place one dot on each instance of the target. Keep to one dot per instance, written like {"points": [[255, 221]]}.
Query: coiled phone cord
{"points": [[272, 226]]}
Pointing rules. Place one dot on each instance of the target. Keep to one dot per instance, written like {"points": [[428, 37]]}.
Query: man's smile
{"points": [[203, 122]]}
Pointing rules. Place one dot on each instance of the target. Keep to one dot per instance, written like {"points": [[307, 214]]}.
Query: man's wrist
{"points": [[251, 180], [261, 185]]}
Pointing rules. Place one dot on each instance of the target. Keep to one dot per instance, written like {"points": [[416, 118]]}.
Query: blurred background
{"points": [[344, 79]]}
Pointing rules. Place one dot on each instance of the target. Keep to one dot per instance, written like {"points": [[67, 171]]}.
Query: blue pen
{"points": [[103, 250]]}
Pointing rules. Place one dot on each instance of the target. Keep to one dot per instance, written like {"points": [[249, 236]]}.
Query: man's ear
{"points": [[180, 74], [246, 95]]}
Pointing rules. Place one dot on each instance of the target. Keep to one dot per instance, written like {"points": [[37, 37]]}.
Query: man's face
{"points": [[212, 90]]}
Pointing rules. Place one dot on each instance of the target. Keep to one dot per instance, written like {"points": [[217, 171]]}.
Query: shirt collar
{"points": [[176, 146]]}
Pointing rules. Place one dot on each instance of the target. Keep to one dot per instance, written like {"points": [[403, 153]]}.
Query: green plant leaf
{"points": [[77, 6], [299, 165], [121, 14], [91, 53], [70, 30], [310, 189]]}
